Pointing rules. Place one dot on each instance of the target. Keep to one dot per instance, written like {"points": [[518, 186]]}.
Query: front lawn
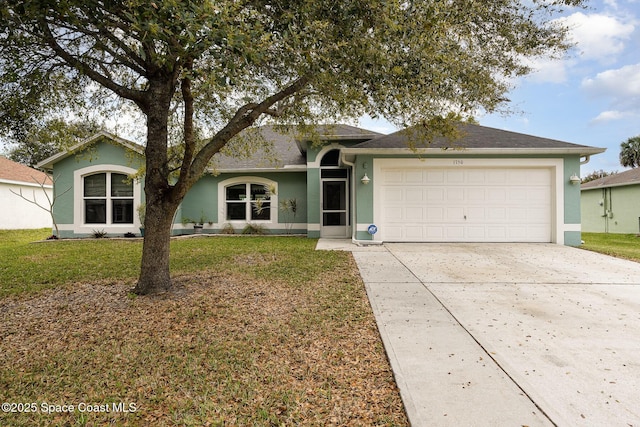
{"points": [[258, 331], [618, 245]]}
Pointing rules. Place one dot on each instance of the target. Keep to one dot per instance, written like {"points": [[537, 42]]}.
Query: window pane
{"points": [[261, 212], [95, 185], [121, 185], [236, 211], [332, 158], [334, 195], [329, 218], [333, 173], [258, 192], [237, 192], [95, 211], [122, 211]]}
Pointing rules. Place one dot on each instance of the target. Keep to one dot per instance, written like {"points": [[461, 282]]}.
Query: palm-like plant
{"points": [[630, 152]]}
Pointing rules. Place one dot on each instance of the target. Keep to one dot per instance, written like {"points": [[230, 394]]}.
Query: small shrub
{"points": [[129, 234], [254, 229], [99, 234], [228, 229]]}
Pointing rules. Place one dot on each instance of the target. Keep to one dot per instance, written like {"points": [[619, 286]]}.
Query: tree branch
{"points": [[136, 96], [244, 117]]}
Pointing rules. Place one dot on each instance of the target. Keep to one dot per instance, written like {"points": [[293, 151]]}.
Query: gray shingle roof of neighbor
{"points": [[630, 177], [473, 137], [276, 147]]}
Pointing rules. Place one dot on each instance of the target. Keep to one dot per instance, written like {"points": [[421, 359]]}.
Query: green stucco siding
{"points": [[201, 202], [611, 210], [571, 191], [100, 153]]}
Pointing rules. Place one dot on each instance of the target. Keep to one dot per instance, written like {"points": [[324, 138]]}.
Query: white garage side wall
{"points": [[554, 166], [17, 213]]}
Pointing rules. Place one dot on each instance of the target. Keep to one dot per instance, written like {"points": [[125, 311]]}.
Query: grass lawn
{"points": [[258, 331], [618, 245]]}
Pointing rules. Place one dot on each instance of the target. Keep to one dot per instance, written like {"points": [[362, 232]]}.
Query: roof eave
{"points": [[582, 151], [303, 144], [25, 183], [601, 186]]}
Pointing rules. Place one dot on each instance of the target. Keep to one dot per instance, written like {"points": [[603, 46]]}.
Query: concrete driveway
{"points": [[508, 334]]}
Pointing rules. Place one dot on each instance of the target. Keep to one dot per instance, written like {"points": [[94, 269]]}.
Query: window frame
{"points": [[248, 202], [79, 214], [109, 199]]}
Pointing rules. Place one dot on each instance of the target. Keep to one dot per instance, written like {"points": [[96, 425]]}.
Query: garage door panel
{"points": [[422, 204], [434, 177], [392, 176], [476, 177], [414, 195], [496, 195], [538, 195], [413, 177], [454, 194], [434, 214], [454, 176], [434, 195], [476, 194], [414, 214], [476, 233], [475, 214]]}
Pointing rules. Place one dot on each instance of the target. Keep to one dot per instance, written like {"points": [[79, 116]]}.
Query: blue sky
{"points": [[591, 97]]}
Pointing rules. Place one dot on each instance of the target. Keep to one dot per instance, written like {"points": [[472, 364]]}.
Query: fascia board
{"points": [[582, 151]]}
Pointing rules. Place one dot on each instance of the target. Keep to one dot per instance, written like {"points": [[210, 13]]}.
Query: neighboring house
{"points": [[612, 204], [16, 212], [487, 186]]}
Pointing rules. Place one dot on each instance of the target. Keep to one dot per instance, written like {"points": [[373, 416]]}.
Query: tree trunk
{"points": [[160, 200], [154, 271]]}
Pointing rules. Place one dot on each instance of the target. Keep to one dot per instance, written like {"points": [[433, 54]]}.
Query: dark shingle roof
{"points": [[12, 171], [630, 177], [472, 136], [269, 147]]}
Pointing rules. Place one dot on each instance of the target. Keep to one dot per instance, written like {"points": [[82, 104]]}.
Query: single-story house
{"points": [[34, 185], [341, 181], [612, 204]]}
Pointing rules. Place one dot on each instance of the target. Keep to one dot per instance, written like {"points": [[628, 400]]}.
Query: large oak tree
{"points": [[219, 67]]}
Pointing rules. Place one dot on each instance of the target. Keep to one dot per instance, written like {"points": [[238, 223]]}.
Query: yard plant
{"points": [[256, 331]]}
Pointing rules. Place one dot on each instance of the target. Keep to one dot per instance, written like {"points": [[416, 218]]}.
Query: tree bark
{"points": [[160, 203]]}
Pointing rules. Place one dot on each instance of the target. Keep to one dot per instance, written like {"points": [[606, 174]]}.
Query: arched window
{"points": [[108, 198], [248, 201]]}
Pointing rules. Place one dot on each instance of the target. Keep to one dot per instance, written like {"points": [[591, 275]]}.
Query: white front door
{"points": [[335, 208]]}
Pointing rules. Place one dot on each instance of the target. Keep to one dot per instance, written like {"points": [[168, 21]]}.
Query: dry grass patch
{"points": [[223, 348]]}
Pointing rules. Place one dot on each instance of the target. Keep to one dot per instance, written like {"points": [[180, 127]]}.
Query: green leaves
{"points": [[630, 152]]}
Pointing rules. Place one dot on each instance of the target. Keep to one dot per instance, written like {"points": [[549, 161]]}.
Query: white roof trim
{"points": [[23, 183], [463, 151]]}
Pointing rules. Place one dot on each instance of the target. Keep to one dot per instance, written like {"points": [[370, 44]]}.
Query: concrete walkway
{"points": [[507, 334]]}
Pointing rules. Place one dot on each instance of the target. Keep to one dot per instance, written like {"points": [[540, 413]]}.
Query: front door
{"points": [[335, 208]]}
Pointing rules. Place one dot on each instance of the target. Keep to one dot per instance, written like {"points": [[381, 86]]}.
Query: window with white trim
{"points": [[247, 202], [108, 198]]}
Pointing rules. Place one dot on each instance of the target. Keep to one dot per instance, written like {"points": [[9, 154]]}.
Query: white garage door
{"points": [[464, 205]]}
